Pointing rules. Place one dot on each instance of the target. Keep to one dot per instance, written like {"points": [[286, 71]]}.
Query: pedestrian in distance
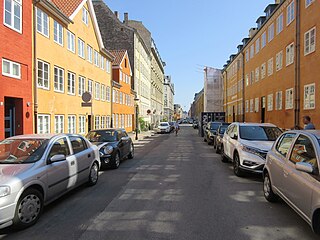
{"points": [[176, 127], [308, 125]]}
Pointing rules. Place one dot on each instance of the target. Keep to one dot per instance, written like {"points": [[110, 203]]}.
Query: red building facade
{"points": [[16, 103]]}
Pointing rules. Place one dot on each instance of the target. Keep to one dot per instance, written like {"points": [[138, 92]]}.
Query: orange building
{"points": [[280, 62], [122, 93]]}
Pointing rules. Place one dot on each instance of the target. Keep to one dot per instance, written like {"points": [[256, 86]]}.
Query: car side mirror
{"points": [[57, 158], [304, 167], [234, 137]]}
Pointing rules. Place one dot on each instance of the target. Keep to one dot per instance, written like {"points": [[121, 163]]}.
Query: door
{"points": [[263, 110], [298, 185], [9, 118], [122, 143], [89, 123]]}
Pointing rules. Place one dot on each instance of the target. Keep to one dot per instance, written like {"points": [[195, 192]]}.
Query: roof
{"points": [[68, 7], [35, 136], [256, 124], [119, 55], [315, 133]]}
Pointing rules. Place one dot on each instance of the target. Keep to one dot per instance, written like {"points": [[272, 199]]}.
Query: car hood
{"points": [[101, 144], [10, 171], [262, 145]]}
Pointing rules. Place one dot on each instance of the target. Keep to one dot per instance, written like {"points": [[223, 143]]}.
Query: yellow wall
{"points": [[54, 103]]}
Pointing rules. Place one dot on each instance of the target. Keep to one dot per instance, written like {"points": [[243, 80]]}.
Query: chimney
{"points": [[126, 18], [252, 32], [117, 14]]}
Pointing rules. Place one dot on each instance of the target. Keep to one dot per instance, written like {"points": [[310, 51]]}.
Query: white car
{"points": [[247, 145], [164, 127]]}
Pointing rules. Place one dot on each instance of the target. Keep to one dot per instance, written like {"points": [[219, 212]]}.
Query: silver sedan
{"points": [[37, 169], [292, 173]]}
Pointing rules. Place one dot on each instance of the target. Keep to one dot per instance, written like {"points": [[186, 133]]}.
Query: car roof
{"points": [[108, 129], [37, 136], [256, 124], [315, 133]]}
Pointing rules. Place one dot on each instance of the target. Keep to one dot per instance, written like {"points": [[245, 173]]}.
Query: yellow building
{"points": [[71, 59]]}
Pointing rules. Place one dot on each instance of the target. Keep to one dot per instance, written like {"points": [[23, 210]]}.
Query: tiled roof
{"points": [[119, 54], [67, 6]]}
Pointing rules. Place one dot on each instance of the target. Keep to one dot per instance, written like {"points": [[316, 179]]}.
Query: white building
{"points": [[213, 90], [168, 99]]}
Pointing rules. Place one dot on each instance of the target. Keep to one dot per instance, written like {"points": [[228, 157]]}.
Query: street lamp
{"points": [[136, 100]]}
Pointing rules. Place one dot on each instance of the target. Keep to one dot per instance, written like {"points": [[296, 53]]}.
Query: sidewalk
{"points": [[141, 135]]}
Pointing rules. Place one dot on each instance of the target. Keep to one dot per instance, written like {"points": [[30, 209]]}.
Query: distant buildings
{"points": [[197, 105], [168, 99], [213, 90]]}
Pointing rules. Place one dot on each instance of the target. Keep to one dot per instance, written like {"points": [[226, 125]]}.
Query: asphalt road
{"points": [[176, 187]]}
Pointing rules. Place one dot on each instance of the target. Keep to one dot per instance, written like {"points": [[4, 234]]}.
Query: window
{"points": [[113, 95], [42, 23], [309, 96], [257, 73], [120, 97], [81, 48], [89, 53], [82, 124], [120, 76], [289, 98], [289, 54], [97, 122], [81, 85], [247, 55], [103, 92], [251, 105], [270, 66], [78, 144], [59, 124], [96, 58], [247, 106], [256, 105], [279, 58], [71, 124], [310, 41], [279, 100], [97, 91], [308, 2], [85, 15], [58, 79], [290, 13], [270, 32], [90, 86], [108, 66], [117, 121], [71, 42], [117, 96], [58, 33], [280, 23], [43, 123], [60, 146], [257, 45], [263, 40], [108, 94], [252, 51], [108, 122], [263, 70], [71, 83], [303, 151], [270, 102], [11, 69], [13, 14], [284, 144], [103, 121], [43, 75], [102, 63]]}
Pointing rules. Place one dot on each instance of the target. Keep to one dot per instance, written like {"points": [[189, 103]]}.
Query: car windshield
{"points": [[164, 124], [259, 133], [15, 151], [214, 126], [101, 136], [222, 129]]}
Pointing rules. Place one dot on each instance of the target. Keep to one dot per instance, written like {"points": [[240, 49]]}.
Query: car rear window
{"points": [[214, 126], [101, 136], [259, 133], [164, 124]]}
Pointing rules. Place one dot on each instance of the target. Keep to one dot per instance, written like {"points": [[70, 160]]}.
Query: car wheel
{"points": [[93, 174], [115, 161], [204, 139], [28, 209], [214, 145], [236, 165], [267, 189], [223, 156], [131, 154], [217, 149]]}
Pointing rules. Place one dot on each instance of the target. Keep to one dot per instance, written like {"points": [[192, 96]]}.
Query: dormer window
{"points": [[85, 15]]}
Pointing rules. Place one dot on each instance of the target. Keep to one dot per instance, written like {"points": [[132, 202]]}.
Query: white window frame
{"points": [[43, 122], [263, 70], [279, 60], [59, 123], [11, 65], [257, 74], [57, 33], [90, 87], [263, 39], [279, 100], [289, 98], [103, 122], [279, 24], [42, 77], [89, 53], [108, 93], [58, 80], [96, 58], [270, 102], [308, 3], [270, 66], [310, 41], [290, 13], [97, 91], [82, 85], [103, 92], [97, 122], [81, 48], [72, 124], [252, 51], [71, 42], [256, 105], [71, 83], [43, 24], [290, 54], [85, 16], [82, 124], [257, 45], [270, 32], [309, 102], [13, 17], [247, 55], [251, 105]]}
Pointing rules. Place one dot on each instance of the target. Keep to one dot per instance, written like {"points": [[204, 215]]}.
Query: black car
{"points": [[210, 132], [219, 137], [114, 145]]}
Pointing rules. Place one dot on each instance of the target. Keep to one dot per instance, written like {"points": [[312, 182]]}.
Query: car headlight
{"points": [[107, 150], [4, 191], [255, 151]]}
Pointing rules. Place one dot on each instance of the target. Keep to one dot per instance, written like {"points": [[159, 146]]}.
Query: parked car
{"points": [[247, 144], [292, 173], [195, 124], [38, 169], [221, 130], [164, 127], [210, 129], [171, 126], [114, 145]]}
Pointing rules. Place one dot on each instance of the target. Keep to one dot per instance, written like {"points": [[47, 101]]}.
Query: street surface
{"points": [[176, 187]]}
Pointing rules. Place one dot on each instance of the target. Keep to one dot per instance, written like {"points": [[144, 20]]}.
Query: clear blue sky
{"points": [[191, 34]]}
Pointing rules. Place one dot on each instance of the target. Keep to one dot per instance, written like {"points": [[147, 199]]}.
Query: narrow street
{"points": [[176, 187]]}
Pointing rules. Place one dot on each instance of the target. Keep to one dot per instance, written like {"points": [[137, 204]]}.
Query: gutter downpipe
{"points": [[297, 68], [35, 84]]}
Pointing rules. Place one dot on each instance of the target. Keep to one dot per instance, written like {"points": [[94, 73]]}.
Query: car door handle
{"points": [[72, 163], [89, 155]]}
